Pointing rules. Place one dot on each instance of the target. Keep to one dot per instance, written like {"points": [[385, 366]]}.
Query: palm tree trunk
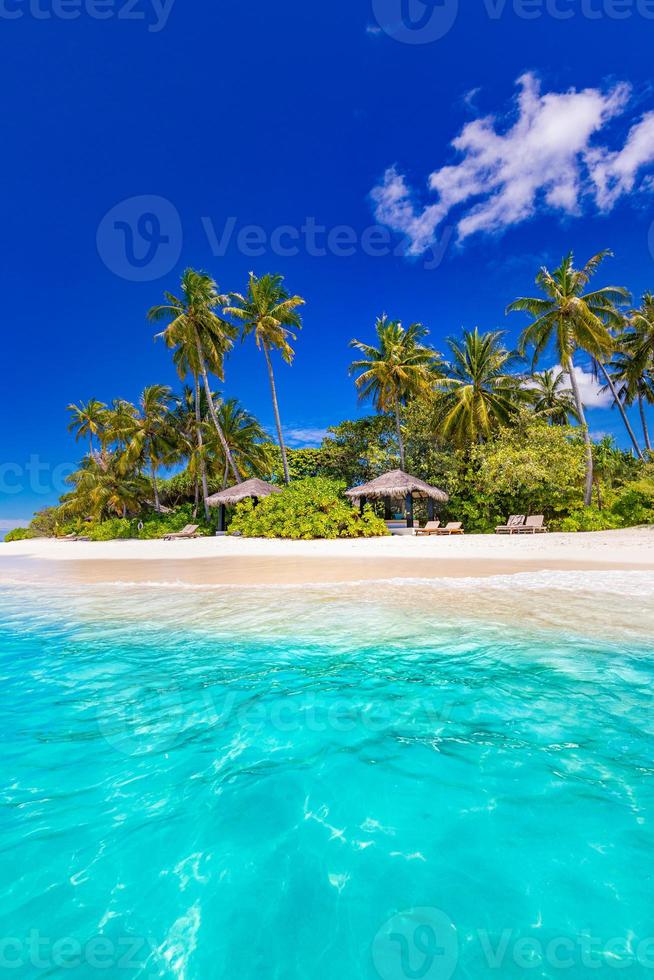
{"points": [[623, 413], [212, 413], [643, 419], [225, 475], [196, 496], [588, 489], [400, 440], [198, 427], [278, 421], [157, 505]]}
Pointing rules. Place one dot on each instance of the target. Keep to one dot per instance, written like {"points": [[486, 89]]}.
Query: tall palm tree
{"points": [[634, 382], [203, 337], [551, 396], [574, 320], [479, 393], [397, 369], [88, 419], [641, 348], [150, 438], [189, 427], [269, 312]]}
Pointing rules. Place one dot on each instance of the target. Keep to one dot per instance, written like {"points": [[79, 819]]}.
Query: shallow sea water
{"points": [[400, 780]]}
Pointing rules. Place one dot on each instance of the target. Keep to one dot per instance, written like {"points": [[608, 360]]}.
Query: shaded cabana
{"points": [[398, 485], [254, 489]]}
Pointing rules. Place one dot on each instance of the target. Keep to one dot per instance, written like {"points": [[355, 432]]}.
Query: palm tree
{"points": [[479, 393], [634, 381], [575, 320], [184, 367], [203, 337], [269, 312], [642, 323], [88, 419], [641, 349], [101, 489], [150, 439], [246, 439], [551, 396], [399, 368], [189, 425]]}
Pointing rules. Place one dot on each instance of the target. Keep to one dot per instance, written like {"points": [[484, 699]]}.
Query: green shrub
{"points": [[116, 527], [310, 508], [19, 534], [588, 519], [158, 525], [635, 504]]}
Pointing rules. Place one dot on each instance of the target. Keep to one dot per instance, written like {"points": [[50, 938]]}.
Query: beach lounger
{"points": [[453, 527], [190, 531], [533, 525], [514, 522], [431, 527]]}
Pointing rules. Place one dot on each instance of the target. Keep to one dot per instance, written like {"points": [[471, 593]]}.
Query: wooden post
{"points": [[388, 512], [221, 519], [430, 508], [409, 510]]}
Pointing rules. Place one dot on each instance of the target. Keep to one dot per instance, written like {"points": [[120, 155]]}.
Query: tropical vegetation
{"points": [[479, 420]]}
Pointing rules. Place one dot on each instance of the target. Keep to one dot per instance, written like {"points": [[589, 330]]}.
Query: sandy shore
{"points": [[240, 561]]}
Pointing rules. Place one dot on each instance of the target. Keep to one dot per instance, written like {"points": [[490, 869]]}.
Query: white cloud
{"points": [[591, 394], [305, 436], [373, 29], [544, 160], [12, 522]]}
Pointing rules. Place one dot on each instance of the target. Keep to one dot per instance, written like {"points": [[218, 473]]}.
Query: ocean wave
{"points": [[628, 583]]}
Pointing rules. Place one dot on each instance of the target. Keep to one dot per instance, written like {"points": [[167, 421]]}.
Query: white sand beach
{"points": [[262, 561]]}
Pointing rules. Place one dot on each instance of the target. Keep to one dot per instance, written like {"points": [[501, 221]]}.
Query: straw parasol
{"points": [[399, 485], [256, 489]]}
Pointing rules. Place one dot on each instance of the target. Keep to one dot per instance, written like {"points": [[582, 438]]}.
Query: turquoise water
{"points": [[389, 781]]}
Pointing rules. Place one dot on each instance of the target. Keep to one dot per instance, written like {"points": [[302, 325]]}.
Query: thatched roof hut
{"points": [[241, 491], [394, 485]]}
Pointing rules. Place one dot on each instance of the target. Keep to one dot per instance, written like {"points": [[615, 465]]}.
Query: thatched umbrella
{"points": [[398, 485], [256, 489]]}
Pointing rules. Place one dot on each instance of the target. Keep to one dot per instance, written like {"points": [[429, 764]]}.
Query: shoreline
{"points": [[240, 561]]}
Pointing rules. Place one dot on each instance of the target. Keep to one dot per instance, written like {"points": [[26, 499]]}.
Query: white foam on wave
{"points": [[628, 583]]}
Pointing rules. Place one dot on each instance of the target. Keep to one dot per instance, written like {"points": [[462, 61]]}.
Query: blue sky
{"points": [[216, 116]]}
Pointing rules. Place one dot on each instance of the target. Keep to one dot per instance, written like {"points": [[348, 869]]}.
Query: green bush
{"points": [[115, 527], [19, 534], [635, 504], [588, 519], [158, 525], [310, 508]]}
